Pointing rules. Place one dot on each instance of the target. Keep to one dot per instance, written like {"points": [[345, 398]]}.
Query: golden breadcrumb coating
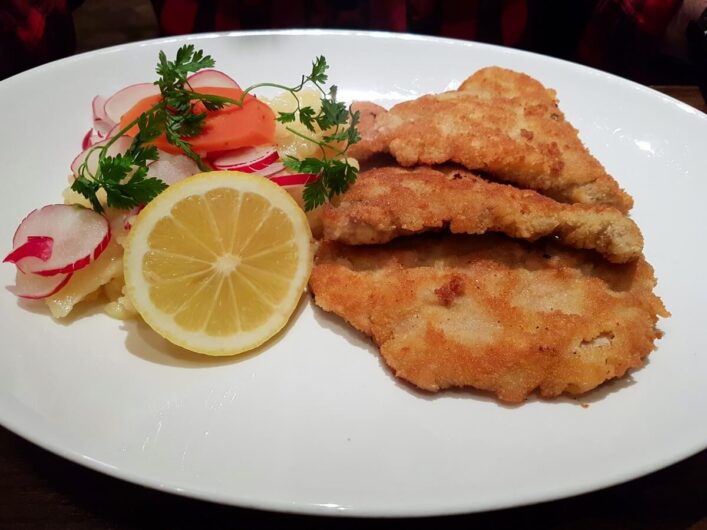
{"points": [[493, 313], [388, 202], [501, 122]]}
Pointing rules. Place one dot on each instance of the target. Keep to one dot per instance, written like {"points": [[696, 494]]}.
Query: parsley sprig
{"points": [[338, 123], [124, 178], [334, 171]]}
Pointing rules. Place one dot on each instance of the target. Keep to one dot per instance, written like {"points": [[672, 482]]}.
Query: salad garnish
{"points": [[334, 170], [181, 113]]}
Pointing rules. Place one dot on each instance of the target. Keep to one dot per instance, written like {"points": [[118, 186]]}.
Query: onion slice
{"points": [[78, 235]]}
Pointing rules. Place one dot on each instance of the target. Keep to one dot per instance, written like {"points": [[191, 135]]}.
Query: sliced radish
{"points": [[101, 123], [79, 236], [86, 141], [296, 179], [246, 159], [171, 168], [270, 170], [98, 104], [128, 218], [211, 78], [39, 247], [113, 131], [125, 99], [35, 287], [120, 146], [91, 138]]}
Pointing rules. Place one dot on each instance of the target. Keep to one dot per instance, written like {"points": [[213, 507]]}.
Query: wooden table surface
{"points": [[41, 490]]}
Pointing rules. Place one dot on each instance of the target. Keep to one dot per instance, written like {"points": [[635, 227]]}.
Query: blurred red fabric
{"points": [[622, 36], [33, 32]]}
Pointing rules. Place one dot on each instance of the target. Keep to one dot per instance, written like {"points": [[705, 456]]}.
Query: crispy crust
{"points": [[388, 202], [498, 121], [493, 313]]}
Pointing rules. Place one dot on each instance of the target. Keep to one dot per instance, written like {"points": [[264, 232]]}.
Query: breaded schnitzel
{"points": [[493, 313], [501, 122], [388, 202]]}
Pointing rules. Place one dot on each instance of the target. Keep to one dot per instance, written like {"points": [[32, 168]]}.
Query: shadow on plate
{"points": [[84, 309], [143, 342], [360, 341]]}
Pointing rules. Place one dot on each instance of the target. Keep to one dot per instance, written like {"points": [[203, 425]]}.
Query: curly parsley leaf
{"points": [[286, 117], [173, 74], [307, 117], [314, 194], [134, 191], [124, 179], [319, 69], [335, 176], [338, 124]]}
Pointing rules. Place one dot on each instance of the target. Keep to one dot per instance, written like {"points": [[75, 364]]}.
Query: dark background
{"points": [[40, 490], [600, 33], [101, 23]]}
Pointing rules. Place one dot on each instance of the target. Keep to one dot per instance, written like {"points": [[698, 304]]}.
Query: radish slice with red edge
{"points": [[171, 168], [296, 179], [272, 169], [128, 218], [101, 122], [91, 138], [257, 169], [98, 104], [86, 142], [35, 287], [211, 78], [124, 100], [113, 131], [79, 236], [246, 159], [40, 247], [120, 146]]}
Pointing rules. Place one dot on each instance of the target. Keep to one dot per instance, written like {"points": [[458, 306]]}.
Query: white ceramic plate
{"points": [[313, 422]]}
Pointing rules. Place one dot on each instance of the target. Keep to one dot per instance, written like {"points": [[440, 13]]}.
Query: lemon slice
{"points": [[217, 262]]}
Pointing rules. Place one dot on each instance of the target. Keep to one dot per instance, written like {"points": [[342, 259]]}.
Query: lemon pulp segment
{"points": [[217, 264]]}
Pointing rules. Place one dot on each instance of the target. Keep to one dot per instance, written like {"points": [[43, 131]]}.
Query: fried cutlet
{"points": [[493, 313], [388, 202], [500, 122]]}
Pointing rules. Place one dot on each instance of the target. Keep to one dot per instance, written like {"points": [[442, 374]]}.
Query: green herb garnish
{"points": [[124, 177], [338, 123]]}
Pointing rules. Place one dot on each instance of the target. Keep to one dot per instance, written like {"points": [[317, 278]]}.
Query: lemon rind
{"points": [[163, 323]]}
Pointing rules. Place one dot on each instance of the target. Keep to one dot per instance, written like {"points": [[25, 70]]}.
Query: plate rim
{"points": [[116, 48], [320, 509]]}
